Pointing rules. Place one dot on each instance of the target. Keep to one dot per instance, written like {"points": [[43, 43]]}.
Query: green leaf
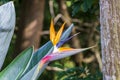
{"points": [[76, 7], [29, 75], [34, 73], [7, 25], [17, 66], [38, 55], [87, 4]]}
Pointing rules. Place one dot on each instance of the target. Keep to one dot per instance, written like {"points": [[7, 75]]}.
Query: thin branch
{"points": [[44, 32], [54, 68], [89, 59], [51, 8]]}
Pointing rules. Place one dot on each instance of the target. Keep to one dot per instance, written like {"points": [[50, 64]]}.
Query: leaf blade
{"points": [[17, 66], [7, 24]]}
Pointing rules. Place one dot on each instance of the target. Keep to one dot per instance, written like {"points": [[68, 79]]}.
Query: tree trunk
{"points": [[30, 25], [110, 38]]}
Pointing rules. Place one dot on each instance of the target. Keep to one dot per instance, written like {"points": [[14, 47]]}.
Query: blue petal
{"points": [[62, 42], [66, 34]]}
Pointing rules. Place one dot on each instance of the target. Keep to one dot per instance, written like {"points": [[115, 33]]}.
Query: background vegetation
{"points": [[32, 28]]}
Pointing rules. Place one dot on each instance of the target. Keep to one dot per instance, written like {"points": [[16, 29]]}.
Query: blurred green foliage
{"points": [[84, 6], [78, 73]]}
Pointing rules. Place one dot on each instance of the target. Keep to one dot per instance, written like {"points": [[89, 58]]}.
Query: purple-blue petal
{"points": [[62, 42], [66, 34]]}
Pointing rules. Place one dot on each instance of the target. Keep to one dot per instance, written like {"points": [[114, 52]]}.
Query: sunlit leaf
{"points": [[7, 24], [38, 55], [14, 70]]}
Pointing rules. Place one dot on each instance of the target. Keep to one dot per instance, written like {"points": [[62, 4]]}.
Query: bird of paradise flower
{"points": [[58, 52]]}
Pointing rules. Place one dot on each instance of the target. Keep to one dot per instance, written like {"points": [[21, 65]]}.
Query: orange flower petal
{"points": [[52, 31], [64, 49], [57, 38]]}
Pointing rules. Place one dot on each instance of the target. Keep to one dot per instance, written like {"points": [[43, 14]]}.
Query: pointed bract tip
{"points": [[52, 31], [59, 33]]}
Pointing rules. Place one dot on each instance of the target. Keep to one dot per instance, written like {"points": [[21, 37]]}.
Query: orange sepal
{"points": [[64, 49], [52, 31], [59, 33]]}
